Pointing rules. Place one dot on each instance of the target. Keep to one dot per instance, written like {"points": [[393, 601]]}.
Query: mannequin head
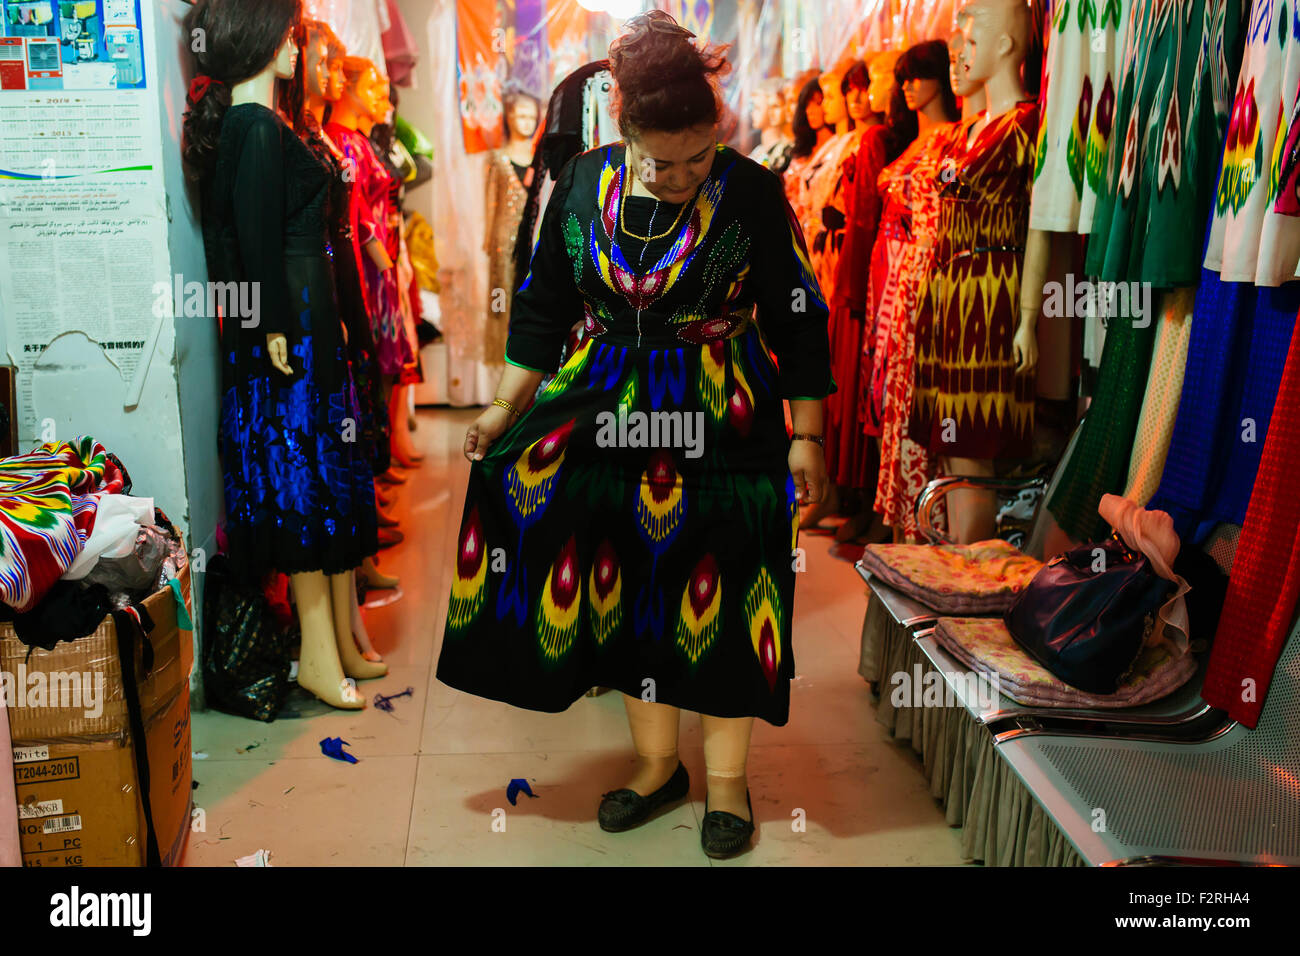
{"points": [[923, 74], [317, 40], [854, 86], [758, 109], [520, 113], [245, 40], [881, 91], [338, 79], [365, 90], [776, 103], [808, 119], [834, 109], [996, 38]]}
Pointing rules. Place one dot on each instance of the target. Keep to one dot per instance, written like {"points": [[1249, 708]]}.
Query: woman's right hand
{"points": [[486, 429]]}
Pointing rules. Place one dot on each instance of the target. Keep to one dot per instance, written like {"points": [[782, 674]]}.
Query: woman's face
{"points": [[776, 111], [919, 92], [318, 70], [834, 110], [758, 110], [286, 58], [338, 80], [672, 165], [856, 100], [814, 113], [523, 118]]}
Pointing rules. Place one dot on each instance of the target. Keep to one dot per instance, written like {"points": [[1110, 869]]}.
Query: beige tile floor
{"points": [[830, 788]]}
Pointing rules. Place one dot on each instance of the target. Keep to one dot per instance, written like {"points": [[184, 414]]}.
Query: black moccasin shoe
{"points": [[725, 834], [624, 809]]}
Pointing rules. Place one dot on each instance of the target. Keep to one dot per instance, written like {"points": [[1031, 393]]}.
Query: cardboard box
{"points": [[79, 799]]}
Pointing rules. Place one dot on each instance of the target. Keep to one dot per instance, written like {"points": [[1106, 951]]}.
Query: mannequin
{"points": [[850, 462], [768, 117], [281, 378], [321, 72], [970, 425], [968, 89], [351, 120], [900, 264], [509, 174], [810, 132]]}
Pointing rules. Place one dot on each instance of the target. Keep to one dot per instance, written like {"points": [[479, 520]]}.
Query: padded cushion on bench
{"points": [[985, 645], [980, 578]]}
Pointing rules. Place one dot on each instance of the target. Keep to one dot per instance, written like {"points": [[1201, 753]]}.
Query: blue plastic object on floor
{"points": [[517, 785], [333, 747]]}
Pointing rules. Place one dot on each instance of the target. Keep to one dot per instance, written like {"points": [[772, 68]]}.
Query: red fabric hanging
{"points": [[1264, 586], [399, 47]]}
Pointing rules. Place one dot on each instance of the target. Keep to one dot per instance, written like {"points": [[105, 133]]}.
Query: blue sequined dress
{"points": [[299, 490]]}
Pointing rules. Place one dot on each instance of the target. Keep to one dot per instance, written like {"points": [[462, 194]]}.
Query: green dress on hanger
{"points": [[1180, 68]]}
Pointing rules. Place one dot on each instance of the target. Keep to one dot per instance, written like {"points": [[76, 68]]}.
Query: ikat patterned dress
{"points": [[598, 550], [969, 310]]}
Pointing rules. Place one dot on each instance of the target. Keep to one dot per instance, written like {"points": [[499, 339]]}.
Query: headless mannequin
{"points": [[996, 36], [328, 652]]}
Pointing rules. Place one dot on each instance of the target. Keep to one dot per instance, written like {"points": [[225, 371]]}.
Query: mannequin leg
{"points": [[654, 735], [319, 671], [972, 515], [726, 751], [343, 594], [375, 578], [403, 448], [359, 631]]}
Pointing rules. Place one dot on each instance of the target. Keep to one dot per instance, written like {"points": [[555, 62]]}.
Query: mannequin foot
{"points": [[384, 496], [853, 527], [393, 477], [389, 537], [730, 795], [365, 648], [385, 520], [651, 774], [342, 695], [358, 667], [373, 656]]}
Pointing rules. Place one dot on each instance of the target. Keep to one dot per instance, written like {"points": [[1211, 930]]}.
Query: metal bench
{"points": [[1230, 798]]}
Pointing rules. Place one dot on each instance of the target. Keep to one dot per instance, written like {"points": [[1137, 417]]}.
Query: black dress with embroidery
{"points": [[299, 491], [634, 529]]}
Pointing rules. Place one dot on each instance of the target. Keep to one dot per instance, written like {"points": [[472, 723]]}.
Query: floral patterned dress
{"points": [[911, 187], [598, 549]]}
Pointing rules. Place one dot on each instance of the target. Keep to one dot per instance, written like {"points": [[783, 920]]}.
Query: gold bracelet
{"points": [[502, 403]]}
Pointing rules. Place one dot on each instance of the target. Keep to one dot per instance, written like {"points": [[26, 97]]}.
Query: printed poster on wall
{"points": [[83, 238]]}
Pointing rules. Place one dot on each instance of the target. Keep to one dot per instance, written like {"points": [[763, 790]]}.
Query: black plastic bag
{"points": [[245, 651]]}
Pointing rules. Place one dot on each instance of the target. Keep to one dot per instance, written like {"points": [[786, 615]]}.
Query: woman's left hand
{"points": [[808, 466]]}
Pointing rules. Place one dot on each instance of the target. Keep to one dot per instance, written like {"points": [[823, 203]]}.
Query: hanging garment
{"points": [[1249, 241], [299, 490], [1264, 586], [372, 204], [48, 503], [905, 466], [1238, 346], [1161, 178], [506, 197], [826, 189], [400, 51], [847, 447], [586, 556], [1180, 60], [969, 401]]}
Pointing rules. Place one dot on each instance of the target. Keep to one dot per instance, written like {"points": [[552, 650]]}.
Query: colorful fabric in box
{"points": [[48, 502], [980, 578], [985, 645]]}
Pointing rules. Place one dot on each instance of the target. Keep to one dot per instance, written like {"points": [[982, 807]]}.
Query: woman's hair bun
{"points": [[664, 80]]}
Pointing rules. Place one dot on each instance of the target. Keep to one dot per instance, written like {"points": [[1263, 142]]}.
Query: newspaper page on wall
{"points": [[83, 219]]}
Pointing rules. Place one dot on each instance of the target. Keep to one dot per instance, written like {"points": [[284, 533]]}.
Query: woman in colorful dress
{"points": [[634, 528]]}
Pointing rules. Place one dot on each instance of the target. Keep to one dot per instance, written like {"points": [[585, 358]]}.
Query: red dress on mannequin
{"points": [[846, 445]]}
